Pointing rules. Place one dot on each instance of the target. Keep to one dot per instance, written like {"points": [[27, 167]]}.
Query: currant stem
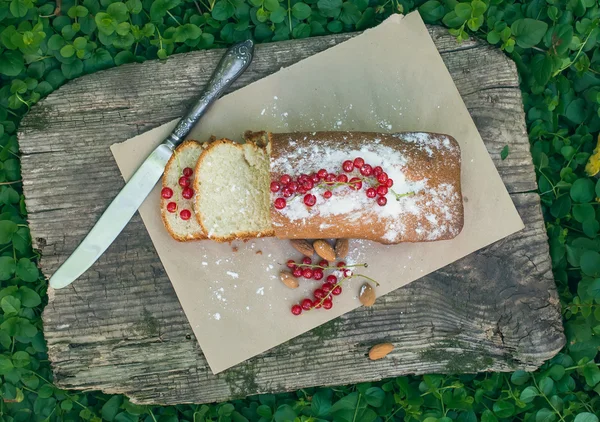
{"points": [[332, 267], [401, 195]]}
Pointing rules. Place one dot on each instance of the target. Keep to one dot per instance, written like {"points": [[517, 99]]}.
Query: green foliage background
{"points": [[555, 45]]}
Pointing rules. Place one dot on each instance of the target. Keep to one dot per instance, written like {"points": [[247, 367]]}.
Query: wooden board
{"points": [[121, 329]]}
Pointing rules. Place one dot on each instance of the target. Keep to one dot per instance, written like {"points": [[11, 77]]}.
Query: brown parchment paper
{"points": [[390, 78]]}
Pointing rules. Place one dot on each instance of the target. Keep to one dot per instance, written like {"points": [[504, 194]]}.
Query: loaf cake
{"points": [[177, 193], [388, 188]]}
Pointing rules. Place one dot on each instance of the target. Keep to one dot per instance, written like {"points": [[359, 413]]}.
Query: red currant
{"points": [[348, 166], [382, 190], [337, 290], [185, 214], [327, 194], [184, 182], [292, 186], [187, 172], [330, 178], [302, 178], [285, 179], [319, 294], [356, 182], [371, 193], [187, 193], [347, 273], [166, 193], [171, 207], [275, 186], [377, 171], [310, 200], [291, 264], [382, 200], [315, 178], [296, 309], [302, 190], [342, 178], [308, 185], [318, 274], [307, 304], [317, 304], [280, 203], [327, 303], [306, 260], [359, 162], [323, 263], [341, 264], [322, 173], [297, 272], [327, 287], [382, 178], [307, 273], [389, 183], [331, 279], [286, 192], [366, 170]]}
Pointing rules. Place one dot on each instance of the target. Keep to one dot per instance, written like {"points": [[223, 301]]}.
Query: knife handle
{"points": [[233, 63]]}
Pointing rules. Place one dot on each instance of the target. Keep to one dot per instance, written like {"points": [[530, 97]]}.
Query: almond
{"points": [[324, 250], [380, 351], [288, 279], [366, 295], [304, 247], [341, 248]]}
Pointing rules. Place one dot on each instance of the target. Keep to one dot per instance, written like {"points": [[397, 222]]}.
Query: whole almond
{"points": [[341, 248], [304, 247], [380, 351], [324, 250], [366, 295], [288, 279]]}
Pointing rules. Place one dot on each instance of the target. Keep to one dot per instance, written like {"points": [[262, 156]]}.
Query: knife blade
{"points": [[116, 216]]}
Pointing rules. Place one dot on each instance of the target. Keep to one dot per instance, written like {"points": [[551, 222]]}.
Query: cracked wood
{"points": [[120, 329]]}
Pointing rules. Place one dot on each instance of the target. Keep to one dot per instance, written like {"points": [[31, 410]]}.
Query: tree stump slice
{"points": [[121, 329]]}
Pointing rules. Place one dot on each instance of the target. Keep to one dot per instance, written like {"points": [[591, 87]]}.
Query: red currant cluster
{"points": [[187, 193], [323, 296], [377, 180]]}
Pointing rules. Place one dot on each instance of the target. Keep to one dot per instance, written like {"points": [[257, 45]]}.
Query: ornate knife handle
{"points": [[233, 63]]}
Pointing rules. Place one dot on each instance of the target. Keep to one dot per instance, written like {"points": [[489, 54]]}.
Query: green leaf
{"points": [[7, 267], [29, 298], [271, 5], [463, 10], [591, 372], [590, 263], [576, 111], [72, 70], [556, 372], [586, 417], [159, 8], [7, 231], [503, 409], [46, 390], [375, 396], [488, 416], [223, 10], [545, 415], [583, 212], [278, 15], [561, 206], [546, 385], [67, 51], [301, 10], [528, 394], [504, 153], [187, 32], [118, 11], [582, 190], [301, 31], [528, 32], [10, 305], [18, 8], [111, 408], [106, 23], [519, 377], [21, 359], [330, 8], [12, 63], [432, 11], [6, 364], [27, 270]]}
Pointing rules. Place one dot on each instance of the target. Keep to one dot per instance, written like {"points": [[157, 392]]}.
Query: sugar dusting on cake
{"points": [[415, 196]]}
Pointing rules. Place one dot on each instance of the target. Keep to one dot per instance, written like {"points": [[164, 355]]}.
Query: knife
{"points": [[114, 219]]}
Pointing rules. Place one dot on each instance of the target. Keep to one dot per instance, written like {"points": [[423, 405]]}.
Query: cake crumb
{"points": [[234, 248], [259, 252]]}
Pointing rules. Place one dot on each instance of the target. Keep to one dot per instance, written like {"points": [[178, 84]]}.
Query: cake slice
{"points": [[232, 198], [176, 200]]}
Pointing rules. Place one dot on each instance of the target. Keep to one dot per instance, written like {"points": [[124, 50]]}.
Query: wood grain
{"points": [[121, 329]]}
